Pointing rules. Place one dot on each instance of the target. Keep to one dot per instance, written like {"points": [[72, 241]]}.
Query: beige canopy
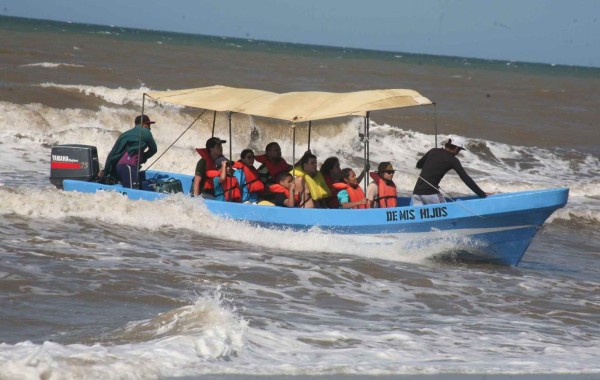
{"points": [[291, 106]]}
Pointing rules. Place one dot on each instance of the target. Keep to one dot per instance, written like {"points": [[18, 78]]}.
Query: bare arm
{"points": [[354, 204], [197, 180], [223, 174], [290, 201]]}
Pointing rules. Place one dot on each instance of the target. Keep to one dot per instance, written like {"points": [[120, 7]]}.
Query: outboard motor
{"points": [[73, 161]]}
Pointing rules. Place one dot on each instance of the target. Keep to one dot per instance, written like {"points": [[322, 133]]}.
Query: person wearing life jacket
{"points": [[213, 150], [282, 193], [225, 185], [434, 165], [331, 171], [350, 195], [271, 163], [310, 183], [381, 192], [248, 177]]}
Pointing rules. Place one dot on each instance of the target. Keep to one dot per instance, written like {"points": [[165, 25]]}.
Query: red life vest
{"points": [[386, 191], [274, 168], [210, 168], [355, 193], [253, 182], [277, 188], [230, 188]]}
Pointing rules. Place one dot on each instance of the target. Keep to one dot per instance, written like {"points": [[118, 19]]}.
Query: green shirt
{"points": [[130, 142]]}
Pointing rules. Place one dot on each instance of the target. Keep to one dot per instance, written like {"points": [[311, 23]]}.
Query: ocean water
{"points": [[101, 287]]}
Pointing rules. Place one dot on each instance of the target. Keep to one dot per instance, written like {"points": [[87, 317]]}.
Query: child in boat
{"points": [[225, 184], [283, 191], [382, 191], [350, 195], [248, 177]]}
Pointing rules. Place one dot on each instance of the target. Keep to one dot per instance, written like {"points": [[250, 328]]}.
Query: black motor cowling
{"points": [[73, 161]]}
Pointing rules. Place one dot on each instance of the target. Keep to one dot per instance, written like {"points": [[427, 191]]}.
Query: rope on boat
{"points": [[173, 143], [445, 193]]}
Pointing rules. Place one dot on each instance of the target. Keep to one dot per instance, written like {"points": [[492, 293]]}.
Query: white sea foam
{"points": [[496, 167], [51, 65], [207, 337], [203, 331]]}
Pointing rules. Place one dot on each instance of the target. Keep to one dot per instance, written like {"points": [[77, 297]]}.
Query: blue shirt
{"points": [[247, 196], [343, 197]]}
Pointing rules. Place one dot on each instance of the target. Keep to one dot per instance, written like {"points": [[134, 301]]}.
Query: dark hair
{"points": [[345, 173], [283, 175], [245, 152], [329, 164], [270, 145], [307, 156]]}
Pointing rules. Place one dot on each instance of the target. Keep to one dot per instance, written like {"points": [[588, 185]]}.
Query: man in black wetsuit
{"points": [[434, 165]]}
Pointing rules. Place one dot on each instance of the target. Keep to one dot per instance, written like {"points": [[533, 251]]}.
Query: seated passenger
{"points": [[350, 195], [331, 172], [272, 163], [213, 150], [283, 191], [248, 177], [382, 191], [225, 184], [310, 183]]}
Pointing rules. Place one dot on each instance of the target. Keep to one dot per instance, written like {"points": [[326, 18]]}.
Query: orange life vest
{"points": [[253, 182], [230, 188], [355, 193], [274, 168], [386, 192], [277, 188], [210, 168]]}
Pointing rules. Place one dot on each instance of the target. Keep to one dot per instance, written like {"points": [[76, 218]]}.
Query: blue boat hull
{"points": [[498, 228]]}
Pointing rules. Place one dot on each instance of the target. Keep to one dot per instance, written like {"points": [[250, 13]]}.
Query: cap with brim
{"points": [[138, 120], [214, 141], [457, 142]]}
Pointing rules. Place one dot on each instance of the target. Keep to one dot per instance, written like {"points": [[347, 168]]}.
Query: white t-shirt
{"points": [[373, 192]]}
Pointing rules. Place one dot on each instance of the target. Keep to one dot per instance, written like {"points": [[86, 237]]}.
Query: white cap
{"points": [[458, 142]]}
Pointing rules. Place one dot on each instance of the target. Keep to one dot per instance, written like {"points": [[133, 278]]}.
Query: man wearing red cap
{"points": [[123, 160]]}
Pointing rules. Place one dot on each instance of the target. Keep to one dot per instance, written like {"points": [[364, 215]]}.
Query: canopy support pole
{"points": [[435, 124], [214, 121], [365, 136], [139, 161], [230, 142], [293, 157], [309, 128]]}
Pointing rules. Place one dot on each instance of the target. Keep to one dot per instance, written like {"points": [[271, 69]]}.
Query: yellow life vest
{"points": [[316, 185]]}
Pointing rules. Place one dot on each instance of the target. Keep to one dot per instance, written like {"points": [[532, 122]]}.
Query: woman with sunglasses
{"points": [[382, 191]]}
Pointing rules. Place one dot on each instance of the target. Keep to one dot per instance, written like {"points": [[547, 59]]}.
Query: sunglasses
{"points": [[389, 171]]}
